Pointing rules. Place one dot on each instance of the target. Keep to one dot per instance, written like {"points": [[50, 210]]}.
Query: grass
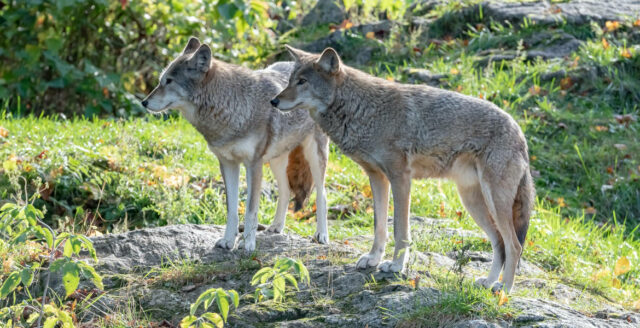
{"points": [[105, 176]]}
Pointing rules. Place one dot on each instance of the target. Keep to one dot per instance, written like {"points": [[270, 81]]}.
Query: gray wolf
{"points": [[399, 132], [229, 106]]}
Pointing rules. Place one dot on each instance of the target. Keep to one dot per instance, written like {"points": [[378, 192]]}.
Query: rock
{"points": [[425, 76], [338, 295], [343, 42], [573, 12], [325, 12], [543, 313], [545, 45]]}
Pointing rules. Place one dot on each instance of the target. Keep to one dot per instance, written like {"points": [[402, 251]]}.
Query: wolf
{"points": [[229, 106], [399, 132]]}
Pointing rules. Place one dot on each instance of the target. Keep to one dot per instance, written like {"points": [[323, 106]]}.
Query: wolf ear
{"points": [[295, 53], [329, 61], [202, 58], [192, 45]]}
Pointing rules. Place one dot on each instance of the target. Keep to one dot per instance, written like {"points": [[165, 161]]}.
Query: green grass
{"points": [[106, 176]]}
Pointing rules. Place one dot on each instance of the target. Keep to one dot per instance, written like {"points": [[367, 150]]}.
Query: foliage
{"points": [[92, 57], [21, 223], [272, 281], [211, 319]]}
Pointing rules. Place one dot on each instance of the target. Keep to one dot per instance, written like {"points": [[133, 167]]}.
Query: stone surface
{"points": [[325, 12], [574, 12], [338, 295]]}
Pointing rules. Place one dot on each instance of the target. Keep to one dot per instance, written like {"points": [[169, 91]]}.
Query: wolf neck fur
{"points": [[356, 94], [222, 107]]}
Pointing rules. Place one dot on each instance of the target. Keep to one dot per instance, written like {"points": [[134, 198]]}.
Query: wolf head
{"points": [[180, 78], [313, 83]]}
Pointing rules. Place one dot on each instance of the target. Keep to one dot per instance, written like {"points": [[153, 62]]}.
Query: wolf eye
{"points": [[169, 81], [302, 81]]}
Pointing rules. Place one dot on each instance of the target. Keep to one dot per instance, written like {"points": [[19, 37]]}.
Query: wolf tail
{"points": [[523, 205], [300, 178]]}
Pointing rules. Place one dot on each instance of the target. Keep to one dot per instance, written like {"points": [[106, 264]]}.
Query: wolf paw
{"points": [[250, 245], [321, 237], [274, 229], [482, 282], [367, 260], [226, 243], [390, 266], [496, 287]]}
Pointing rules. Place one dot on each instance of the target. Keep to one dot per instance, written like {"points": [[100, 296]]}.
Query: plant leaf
{"points": [[26, 276], [187, 321], [622, 266], [223, 303], [214, 318], [9, 284], [234, 298], [70, 277]]}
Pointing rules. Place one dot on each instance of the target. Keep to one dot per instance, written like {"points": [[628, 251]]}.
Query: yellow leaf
{"points": [[561, 202], [503, 298], [616, 283], [601, 274], [370, 35], [10, 165], [637, 23], [625, 53], [622, 266], [4, 132], [605, 43], [390, 78], [366, 191], [454, 71], [612, 25], [636, 304]]}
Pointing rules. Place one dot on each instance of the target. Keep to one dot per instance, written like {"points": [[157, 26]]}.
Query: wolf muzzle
{"points": [[274, 102]]}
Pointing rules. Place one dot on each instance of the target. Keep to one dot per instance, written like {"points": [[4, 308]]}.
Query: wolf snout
{"points": [[275, 102], [145, 103]]}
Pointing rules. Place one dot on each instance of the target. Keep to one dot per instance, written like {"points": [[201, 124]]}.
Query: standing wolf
{"points": [[229, 106], [398, 132]]}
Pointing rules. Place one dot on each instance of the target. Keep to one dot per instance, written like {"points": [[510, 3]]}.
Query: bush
{"points": [[97, 57]]}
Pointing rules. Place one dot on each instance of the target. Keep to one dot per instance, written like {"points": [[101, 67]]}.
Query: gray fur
{"points": [[398, 132], [229, 106]]}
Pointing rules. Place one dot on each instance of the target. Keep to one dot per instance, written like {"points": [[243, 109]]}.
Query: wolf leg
{"points": [[473, 201], [499, 195], [316, 156], [279, 168], [380, 191], [230, 175], [254, 188], [401, 188]]}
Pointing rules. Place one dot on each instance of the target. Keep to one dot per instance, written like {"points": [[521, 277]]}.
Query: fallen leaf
{"points": [[624, 119], [636, 304], [459, 88], [637, 22], [601, 274], [566, 83], [442, 212], [605, 43], [4, 132], [601, 128], [560, 201], [534, 90], [615, 282], [622, 266], [625, 53], [390, 78], [370, 35], [590, 210], [612, 25], [454, 71], [502, 298]]}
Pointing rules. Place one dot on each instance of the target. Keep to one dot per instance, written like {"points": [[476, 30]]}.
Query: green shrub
{"points": [[97, 57]]}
